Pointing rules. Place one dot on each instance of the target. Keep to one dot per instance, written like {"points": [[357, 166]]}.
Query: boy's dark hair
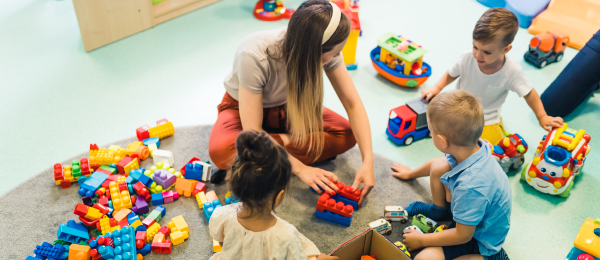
{"points": [[260, 170], [494, 23]]}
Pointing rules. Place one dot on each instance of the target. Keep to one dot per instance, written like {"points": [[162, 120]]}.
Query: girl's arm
{"points": [[251, 115], [535, 103], [450, 237], [345, 90]]}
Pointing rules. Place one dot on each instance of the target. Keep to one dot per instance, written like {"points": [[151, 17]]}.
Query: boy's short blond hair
{"points": [[458, 116], [496, 24]]}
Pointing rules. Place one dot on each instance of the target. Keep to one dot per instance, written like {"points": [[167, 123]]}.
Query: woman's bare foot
{"points": [[402, 171]]}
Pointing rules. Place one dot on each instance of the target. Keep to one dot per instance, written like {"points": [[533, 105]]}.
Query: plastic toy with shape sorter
{"points": [[510, 152], [587, 242], [271, 10], [408, 123], [546, 48], [163, 129], [329, 210], [400, 60], [558, 160], [426, 224]]}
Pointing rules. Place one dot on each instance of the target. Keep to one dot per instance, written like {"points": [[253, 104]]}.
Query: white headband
{"points": [[333, 23]]}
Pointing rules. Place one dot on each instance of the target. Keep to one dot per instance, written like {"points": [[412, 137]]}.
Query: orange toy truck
{"points": [[546, 48]]}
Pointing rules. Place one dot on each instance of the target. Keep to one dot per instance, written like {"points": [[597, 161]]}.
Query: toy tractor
{"points": [[546, 48]]}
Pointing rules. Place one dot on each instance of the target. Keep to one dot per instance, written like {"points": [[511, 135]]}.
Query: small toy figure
{"points": [[408, 122], [558, 159], [381, 226], [413, 228], [271, 10], [546, 48], [395, 213], [402, 247], [426, 224], [412, 71], [510, 152], [586, 243]]}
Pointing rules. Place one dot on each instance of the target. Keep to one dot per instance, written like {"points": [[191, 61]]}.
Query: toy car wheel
{"points": [[403, 221], [559, 57], [408, 140], [566, 193], [389, 232], [523, 173], [543, 64], [65, 184]]}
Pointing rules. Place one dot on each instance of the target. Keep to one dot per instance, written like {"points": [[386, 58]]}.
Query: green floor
{"points": [[57, 99]]}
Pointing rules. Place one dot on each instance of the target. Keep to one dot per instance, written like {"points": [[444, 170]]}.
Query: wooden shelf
{"points": [[169, 9]]}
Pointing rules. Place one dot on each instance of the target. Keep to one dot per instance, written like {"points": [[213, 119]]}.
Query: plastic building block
{"points": [[201, 199], [200, 187], [230, 198], [140, 239], [126, 165], [193, 171], [142, 191], [206, 170], [120, 197], [163, 248], [124, 241], [141, 206], [178, 223], [163, 156], [72, 232], [92, 184], [138, 148], [347, 192], [169, 196], [211, 195], [426, 224], [104, 225], [164, 178], [209, 208], [165, 230], [107, 252], [179, 237], [87, 200], [79, 252], [32, 258], [49, 251], [121, 214], [142, 132], [216, 246], [332, 217], [110, 170], [185, 187], [327, 203], [194, 159], [151, 232], [162, 131], [151, 140], [159, 238], [157, 199], [145, 250], [102, 156]]}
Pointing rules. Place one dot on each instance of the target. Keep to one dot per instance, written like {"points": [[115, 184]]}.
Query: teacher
{"points": [[276, 86]]}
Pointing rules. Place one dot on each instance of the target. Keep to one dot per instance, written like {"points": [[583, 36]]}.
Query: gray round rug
{"points": [[32, 212]]}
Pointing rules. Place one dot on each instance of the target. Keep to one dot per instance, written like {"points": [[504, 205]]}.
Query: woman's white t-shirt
{"points": [[490, 89], [280, 242]]}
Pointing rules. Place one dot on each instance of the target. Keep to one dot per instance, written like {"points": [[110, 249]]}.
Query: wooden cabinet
{"points": [[104, 21]]}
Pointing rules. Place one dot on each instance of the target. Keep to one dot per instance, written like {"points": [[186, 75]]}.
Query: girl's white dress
{"points": [[280, 242]]}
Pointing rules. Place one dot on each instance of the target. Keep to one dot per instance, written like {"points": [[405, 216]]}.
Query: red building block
{"points": [[162, 121], [191, 161], [84, 165], [200, 187], [81, 210], [123, 163], [164, 248], [347, 192], [142, 132], [165, 230], [327, 203], [141, 190], [106, 241], [140, 239], [103, 201], [124, 223]]}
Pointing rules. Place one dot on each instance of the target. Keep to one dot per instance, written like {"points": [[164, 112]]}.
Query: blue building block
{"points": [[92, 184], [140, 228], [338, 197], [209, 208], [231, 199], [124, 240], [134, 176], [144, 250], [151, 140], [32, 258], [333, 217], [193, 171], [107, 252], [72, 232], [132, 218], [145, 180], [157, 199], [162, 210], [46, 250]]}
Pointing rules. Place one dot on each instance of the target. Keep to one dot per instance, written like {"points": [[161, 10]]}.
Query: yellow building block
{"points": [[349, 50], [178, 237], [201, 199], [151, 232], [135, 224], [117, 227], [121, 214], [178, 223], [216, 246], [105, 225], [586, 239], [162, 131], [93, 214], [120, 199], [131, 166]]}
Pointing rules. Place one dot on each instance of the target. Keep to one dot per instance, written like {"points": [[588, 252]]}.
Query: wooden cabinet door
{"points": [[104, 21]]}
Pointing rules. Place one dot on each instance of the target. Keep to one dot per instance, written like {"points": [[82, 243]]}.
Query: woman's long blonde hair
{"points": [[302, 50]]}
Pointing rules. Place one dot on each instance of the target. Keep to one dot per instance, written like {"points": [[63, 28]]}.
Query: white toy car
{"points": [[395, 213], [414, 228], [381, 226]]}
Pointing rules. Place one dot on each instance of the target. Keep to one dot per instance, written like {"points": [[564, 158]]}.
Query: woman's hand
{"points": [[316, 177], [366, 176], [324, 256]]}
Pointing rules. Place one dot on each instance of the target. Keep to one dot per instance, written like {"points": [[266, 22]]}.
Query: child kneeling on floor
{"points": [[248, 230], [468, 178]]}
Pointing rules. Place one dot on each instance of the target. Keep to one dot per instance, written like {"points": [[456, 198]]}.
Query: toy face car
{"points": [[510, 152], [381, 226], [558, 159], [414, 228], [395, 213], [426, 224]]}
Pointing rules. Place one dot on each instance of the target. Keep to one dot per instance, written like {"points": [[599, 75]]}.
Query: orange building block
{"points": [[79, 252], [185, 187], [121, 214], [211, 195], [138, 148]]}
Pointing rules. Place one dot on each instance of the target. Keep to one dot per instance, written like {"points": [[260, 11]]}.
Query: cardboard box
{"points": [[368, 243]]}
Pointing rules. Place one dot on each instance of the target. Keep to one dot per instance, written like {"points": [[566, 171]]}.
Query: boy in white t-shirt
{"points": [[487, 73]]}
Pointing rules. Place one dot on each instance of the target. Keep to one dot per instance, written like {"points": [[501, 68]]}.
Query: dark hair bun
{"points": [[255, 147]]}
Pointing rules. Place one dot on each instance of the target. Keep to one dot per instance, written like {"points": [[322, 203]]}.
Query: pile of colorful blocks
{"points": [[115, 216]]}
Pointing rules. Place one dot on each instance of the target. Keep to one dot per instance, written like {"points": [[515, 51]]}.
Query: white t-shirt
{"points": [[280, 242], [490, 89]]}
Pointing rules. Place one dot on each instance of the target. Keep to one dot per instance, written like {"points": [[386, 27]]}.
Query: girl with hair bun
{"points": [[276, 86], [260, 175]]}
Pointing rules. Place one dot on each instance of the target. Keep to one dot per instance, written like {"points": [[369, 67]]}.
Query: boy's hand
{"points": [[547, 122], [402, 171], [413, 240], [323, 256], [428, 94]]}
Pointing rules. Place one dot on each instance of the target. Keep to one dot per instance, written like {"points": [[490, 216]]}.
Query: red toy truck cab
{"points": [[408, 122]]}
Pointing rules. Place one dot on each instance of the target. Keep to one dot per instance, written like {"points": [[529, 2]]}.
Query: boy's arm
{"points": [[450, 237], [446, 79], [535, 103]]}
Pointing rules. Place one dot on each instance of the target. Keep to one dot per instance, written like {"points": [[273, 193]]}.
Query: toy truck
{"points": [[558, 159], [546, 48], [395, 213], [426, 224], [510, 152], [587, 243], [381, 226], [408, 122]]}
